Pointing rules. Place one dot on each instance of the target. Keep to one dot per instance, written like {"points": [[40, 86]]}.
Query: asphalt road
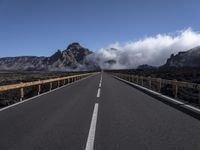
{"points": [[97, 114]]}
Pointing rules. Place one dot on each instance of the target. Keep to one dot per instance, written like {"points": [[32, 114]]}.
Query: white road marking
{"points": [[191, 107], [91, 135], [34, 97], [99, 84], [163, 96], [98, 92]]}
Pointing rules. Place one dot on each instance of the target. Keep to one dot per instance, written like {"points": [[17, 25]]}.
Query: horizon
{"points": [[39, 28]]}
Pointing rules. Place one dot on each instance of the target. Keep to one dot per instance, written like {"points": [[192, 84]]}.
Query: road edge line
{"points": [[34, 97], [187, 107]]}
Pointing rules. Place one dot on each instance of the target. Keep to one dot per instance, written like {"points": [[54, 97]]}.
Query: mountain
{"points": [[146, 67], [190, 58], [73, 57]]}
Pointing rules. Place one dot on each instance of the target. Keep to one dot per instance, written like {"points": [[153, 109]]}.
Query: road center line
{"points": [[98, 92], [99, 84], [91, 135]]}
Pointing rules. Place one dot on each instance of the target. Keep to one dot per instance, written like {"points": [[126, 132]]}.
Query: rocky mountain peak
{"points": [[190, 58], [71, 58], [74, 46]]}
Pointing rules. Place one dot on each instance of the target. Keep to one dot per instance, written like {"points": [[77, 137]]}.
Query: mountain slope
{"points": [[190, 58], [71, 58]]}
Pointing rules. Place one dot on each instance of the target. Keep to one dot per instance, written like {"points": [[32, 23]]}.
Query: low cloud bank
{"points": [[150, 50]]}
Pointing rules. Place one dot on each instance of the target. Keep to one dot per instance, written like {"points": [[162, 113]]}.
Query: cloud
{"points": [[150, 50]]}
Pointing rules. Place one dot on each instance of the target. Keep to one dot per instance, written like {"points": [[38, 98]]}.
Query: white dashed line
{"points": [[98, 92], [99, 84], [91, 135]]}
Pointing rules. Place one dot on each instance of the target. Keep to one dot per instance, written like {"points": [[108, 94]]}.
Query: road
{"points": [[100, 113]]}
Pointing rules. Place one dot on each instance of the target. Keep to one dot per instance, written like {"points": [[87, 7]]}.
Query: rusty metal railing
{"points": [[157, 84], [21, 86]]}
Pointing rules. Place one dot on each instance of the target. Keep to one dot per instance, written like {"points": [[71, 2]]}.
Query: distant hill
{"points": [[76, 57], [190, 58], [73, 57], [146, 67]]}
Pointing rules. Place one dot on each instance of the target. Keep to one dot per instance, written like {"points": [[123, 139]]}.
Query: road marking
{"points": [[34, 97], [91, 135], [194, 108], [163, 96], [98, 92], [99, 84]]}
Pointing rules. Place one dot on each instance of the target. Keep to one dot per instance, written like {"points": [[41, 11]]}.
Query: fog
{"points": [[153, 50]]}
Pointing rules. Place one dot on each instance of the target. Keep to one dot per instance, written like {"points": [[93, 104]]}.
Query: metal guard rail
{"points": [[21, 85], [175, 84]]}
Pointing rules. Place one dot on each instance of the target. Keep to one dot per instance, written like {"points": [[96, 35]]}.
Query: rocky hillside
{"points": [[73, 57], [190, 58]]}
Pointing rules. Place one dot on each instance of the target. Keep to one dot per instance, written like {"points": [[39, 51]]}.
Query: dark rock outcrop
{"points": [[71, 58], [190, 58]]}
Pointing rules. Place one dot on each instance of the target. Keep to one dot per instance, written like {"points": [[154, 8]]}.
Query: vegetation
{"points": [[13, 77], [186, 74]]}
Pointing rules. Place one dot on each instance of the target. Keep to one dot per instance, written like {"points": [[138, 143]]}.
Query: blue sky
{"points": [[40, 27]]}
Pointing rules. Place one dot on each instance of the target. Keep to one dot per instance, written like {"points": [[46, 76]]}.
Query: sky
{"points": [[40, 27]]}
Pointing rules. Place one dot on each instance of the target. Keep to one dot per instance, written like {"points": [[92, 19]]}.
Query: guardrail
{"points": [[64, 80], [157, 84]]}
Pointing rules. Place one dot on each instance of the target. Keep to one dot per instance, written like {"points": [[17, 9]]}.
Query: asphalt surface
{"points": [[127, 119]]}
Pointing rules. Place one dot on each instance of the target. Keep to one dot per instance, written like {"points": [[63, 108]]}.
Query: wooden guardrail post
{"points": [[51, 86], [142, 82], [159, 84], [137, 79], [39, 89], [132, 78], [175, 88], [64, 81], [58, 83], [149, 79], [21, 94]]}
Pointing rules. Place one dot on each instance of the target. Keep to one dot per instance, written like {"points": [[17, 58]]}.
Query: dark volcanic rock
{"points": [[146, 67], [71, 58], [190, 58]]}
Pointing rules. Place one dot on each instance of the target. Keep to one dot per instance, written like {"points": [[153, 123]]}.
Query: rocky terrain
{"points": [[73, 57], [190, 58]]}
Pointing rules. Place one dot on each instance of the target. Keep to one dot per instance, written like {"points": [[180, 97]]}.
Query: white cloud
{"points": [[151, 50]]}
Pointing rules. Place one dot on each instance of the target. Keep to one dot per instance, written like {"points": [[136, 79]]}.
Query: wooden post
{"points": [[68, 80], [137, 79], [51, 86], [39, 89], [21, 94], [58, 83], [131, 78], [64, 82], [141, 78], [149, 79], [159, 84], [175, 88]]}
